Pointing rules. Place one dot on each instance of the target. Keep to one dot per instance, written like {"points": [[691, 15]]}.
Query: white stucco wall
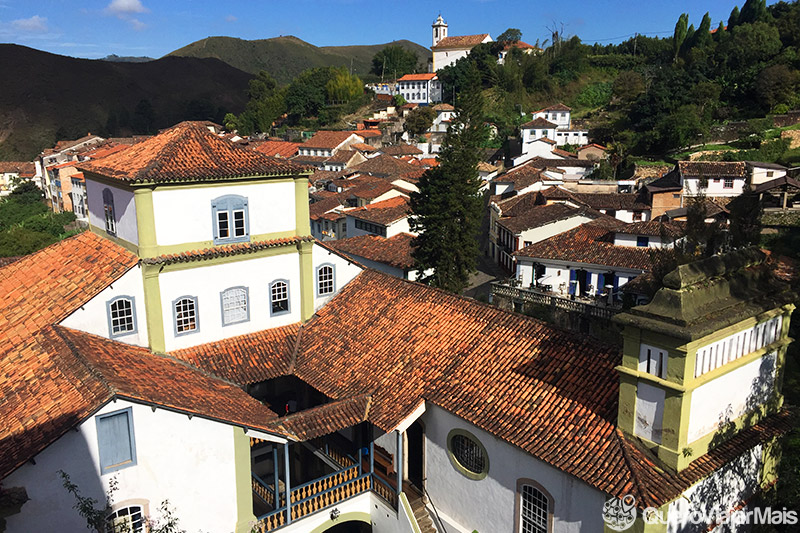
{"points": [[188, 462], [207, 282], [714, 188], [730, 396], [649, 411], [488, 505], [92, 317], [761, 175], [724, 489], [559, 118], [534, 235], [184, 215], [446, 58], [124, 210], [344, 271], [624, 239], [557, 273]]}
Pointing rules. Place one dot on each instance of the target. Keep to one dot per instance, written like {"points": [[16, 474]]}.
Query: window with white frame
{"points": [[234, 305], [728, 183], [121, 313], [732, 347], [653, 361], [126, 520], [186, 320], [108, 212], [115, 441], [230, 219], [534, 509], [279, 297], [326, 280]]}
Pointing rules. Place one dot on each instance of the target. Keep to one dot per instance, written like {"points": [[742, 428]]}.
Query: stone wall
{"points": [[789, 119], [793, 136]]}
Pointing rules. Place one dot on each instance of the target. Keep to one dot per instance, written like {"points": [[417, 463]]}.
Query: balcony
{"points": [[595, 307], [338, 470]]}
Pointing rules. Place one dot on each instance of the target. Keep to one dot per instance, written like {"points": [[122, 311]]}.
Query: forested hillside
{"points": [[652, 95]]}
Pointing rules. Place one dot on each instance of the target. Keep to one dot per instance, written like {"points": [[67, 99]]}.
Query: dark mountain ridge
{"points": [[54, 97]]}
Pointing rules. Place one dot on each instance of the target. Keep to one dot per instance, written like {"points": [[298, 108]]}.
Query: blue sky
{"points": [[96, 28]]}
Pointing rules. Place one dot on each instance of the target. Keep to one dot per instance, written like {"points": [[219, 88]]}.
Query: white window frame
{"points": [[272, 292], [319, 281], [527, 519], [232, 207], [235, 305], [109, 214], [196, 315], [111, 318], [653, 360]]}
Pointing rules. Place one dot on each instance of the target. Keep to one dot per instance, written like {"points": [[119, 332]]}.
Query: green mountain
{"points": [[47, 97], [285, 57]]}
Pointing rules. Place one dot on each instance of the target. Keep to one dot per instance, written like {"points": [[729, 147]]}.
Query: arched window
{"points": [[121, 313], [186, 320], [279, 297], [235, 307], [534, 508], [108, 212], [127, 519], [326, 280], [230, 219]]}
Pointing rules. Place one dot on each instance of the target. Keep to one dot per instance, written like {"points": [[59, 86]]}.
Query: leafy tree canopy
{"points": [[394, 61]]}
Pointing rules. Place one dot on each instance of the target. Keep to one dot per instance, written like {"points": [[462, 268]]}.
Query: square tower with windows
{"points": [[704, 359]]}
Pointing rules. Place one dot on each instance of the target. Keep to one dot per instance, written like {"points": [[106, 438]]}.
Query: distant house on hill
{"points": [[424, 89], [447, 50]]}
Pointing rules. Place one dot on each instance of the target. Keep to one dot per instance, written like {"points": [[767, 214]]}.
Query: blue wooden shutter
{"points": [[601, 282], [573, 276], [115, 441]]}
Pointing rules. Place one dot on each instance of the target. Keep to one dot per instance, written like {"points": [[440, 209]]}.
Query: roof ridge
{"points": [[59, 331]]}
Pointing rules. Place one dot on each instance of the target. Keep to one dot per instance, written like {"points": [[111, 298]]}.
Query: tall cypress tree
{"points": [[448, 208]]}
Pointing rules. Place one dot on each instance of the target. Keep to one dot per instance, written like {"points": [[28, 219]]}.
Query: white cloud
{"points": [[137, 24], [34, 24], [231, 18], [125, 7]]}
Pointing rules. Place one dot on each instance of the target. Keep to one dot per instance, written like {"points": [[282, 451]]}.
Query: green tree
{"points": [[447, 210], [344, 87], [394, 61], [511, 35], [628, 86], [399, 100], [745, 223], [754, 11], [419, 120], [681, 30], [144, 116], [733, 19], [307, 93]]}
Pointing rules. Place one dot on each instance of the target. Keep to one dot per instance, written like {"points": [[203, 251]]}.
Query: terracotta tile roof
{"points": [[62, 146], [613, 200], [64, 165], [777, 183], [671, 181], [538, 122], [385, 166], [443, 107], [401, 149], [544, 162], [592, 145], [328, 140], [521, 176], [366, 133], [247, 358], [590, 243], [324, 419], [564, 153], [654, 228], [712, 169], [522, 45], [523, 217], [104, 150], [342, 156], [322, 207], [545, 140], [187, 152], [223, 251], [47, 286], [23, 168], [384, 212], [557, 107], [418, 77], [361, 147], [460, 41], [433, 162], [283, 149], [60, 377], [711, 208], [394, 251]]}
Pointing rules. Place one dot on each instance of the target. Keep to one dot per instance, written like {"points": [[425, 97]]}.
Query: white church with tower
{"points": [[447, 50]]}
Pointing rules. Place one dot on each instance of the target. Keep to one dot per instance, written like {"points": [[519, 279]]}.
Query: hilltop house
{"points": [[197, 345], [330, 150], [13, 172], [554, 123], [421, 89]]}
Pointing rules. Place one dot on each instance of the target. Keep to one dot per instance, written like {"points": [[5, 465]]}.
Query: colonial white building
{"points": [[198, 346], [447, 50], [424, 89]]}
